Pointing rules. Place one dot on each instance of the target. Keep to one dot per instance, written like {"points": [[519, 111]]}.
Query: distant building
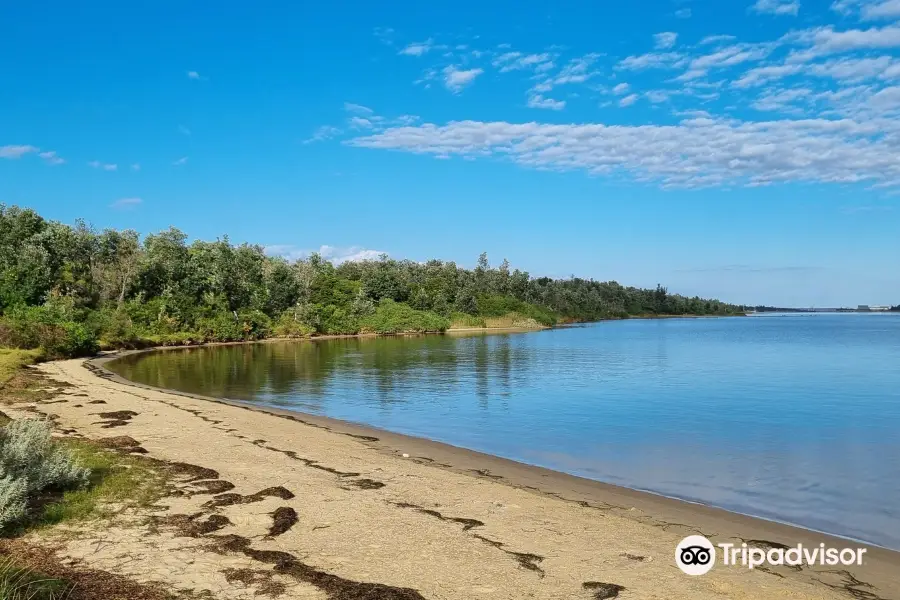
{"points": [[872, 308]]}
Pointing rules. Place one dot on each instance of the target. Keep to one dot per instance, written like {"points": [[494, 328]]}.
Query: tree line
{"points": [[69, 288]]}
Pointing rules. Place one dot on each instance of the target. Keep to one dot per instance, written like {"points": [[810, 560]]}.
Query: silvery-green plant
{"points": [[30, 462], [13, 500]]}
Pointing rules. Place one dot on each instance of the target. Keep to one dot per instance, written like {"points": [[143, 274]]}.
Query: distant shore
{"points": [[451, 330]]}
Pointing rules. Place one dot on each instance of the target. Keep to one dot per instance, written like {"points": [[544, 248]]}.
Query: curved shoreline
{"points": [[881, 563]]}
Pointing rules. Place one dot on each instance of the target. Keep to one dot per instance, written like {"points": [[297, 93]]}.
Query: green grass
{"points": [[11, 360], [460, 320], [116, 479], [17, 583]]}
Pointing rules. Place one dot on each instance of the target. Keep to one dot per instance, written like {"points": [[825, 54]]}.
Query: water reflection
{"points": [[387, 367]]}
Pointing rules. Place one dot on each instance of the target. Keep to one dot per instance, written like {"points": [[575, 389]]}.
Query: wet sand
{"points": [[405, 517]]}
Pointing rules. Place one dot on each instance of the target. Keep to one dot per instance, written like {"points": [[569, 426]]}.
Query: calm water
{"points": [[794, 418]]}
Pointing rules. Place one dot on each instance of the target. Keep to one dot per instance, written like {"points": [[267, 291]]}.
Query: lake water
{"points": [[794, 418]]}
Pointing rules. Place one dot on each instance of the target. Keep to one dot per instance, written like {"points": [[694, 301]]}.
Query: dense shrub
{"points": [[392, 317], [228, 327], [115, 329], [31, 462], [221, 328], [289, 325], [331, 319], [48, 327], [499, 306]]}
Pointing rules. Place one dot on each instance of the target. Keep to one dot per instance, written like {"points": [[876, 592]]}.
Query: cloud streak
{"points": [[456, 79], [335, 254], [695, 153], [96, 164], [776, 7], [126, 203]]}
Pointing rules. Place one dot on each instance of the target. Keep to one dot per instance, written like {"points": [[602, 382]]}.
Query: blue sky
{"points": [[744, 149]]}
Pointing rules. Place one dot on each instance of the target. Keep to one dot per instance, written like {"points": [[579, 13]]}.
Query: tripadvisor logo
{"points": [[696, 555]]}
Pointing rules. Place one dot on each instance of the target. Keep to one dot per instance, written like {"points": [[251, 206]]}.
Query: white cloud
{"points": [[628, 100], [184, 130], [886, 99], [336, 255], [181, 161], [357, 109], [136, 167], [683, 13], [52, 158], [418, 48], [325, 132], [825, 40], [96, 164], [732, 55], [727, 56], [126, 203], [697, 152], [715, 39], [761, 75], [781, 100], [516, 61], [385, 35], [657, 96], [653, 60], [776, 7], [14, 151], [456, 79], [620, 89], [664, 40], [193, 75], [360, 123], [538, 101], [887, 9], [505, 58]]}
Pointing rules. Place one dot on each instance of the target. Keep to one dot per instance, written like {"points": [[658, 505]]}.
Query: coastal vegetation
{"points": [[46, 480], [71, 290]]}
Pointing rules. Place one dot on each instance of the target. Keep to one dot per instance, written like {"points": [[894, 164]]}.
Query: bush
{"points": [[226, 327], [331, 319], [184, 338], [31, 462], [290, 326], [499, 306], [391, 317], [115, 329], [48, 327]]}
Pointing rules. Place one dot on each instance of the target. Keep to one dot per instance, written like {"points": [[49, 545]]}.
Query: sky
{"points": [[747, 150]]}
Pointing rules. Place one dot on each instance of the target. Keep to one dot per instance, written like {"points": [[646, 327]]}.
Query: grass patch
{"points": [[513, 320], [116, 480], [18, 583], [460, 320], [11, 360]]}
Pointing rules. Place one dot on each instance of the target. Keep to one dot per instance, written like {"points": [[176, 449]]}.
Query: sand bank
{"points": [[391, 516]]}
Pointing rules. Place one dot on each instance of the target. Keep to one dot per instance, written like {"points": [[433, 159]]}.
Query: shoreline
{"points": [[881, 563], [486, 330]]}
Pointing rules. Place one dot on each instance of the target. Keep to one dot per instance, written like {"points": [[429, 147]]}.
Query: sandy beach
{"points": [[320, 508]]}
